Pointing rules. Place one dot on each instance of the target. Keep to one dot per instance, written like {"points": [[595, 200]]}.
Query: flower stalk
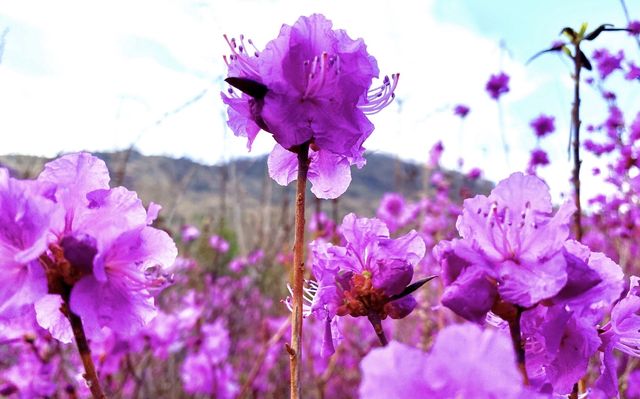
{"points": [[295, 350], [90, 374], [375, 321], [575, 124]]}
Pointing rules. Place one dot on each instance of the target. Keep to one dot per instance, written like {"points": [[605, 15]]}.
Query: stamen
{"points": [[378, 98], [239, 55], [307, 297]]}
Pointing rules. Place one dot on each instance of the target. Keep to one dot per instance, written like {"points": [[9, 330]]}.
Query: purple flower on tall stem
{"points": [[311, 89], [365, 276], [497, 85], [543, 125], [461, 110], [311, 85]]}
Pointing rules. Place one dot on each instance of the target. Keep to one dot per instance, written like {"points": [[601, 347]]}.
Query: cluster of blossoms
{"points": [[309, 86], [515, 260], [69, 243]]}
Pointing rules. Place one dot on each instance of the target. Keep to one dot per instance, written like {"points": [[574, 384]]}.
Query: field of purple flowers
{"points": [[452, 295]]}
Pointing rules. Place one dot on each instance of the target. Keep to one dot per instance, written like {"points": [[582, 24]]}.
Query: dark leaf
{"points": [[255, 89], [598, 31], [584, 61], [539, 53], [411, 288], [569, 32]]}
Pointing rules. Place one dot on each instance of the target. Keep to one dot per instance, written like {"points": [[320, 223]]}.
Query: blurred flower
{"points": [[498, 85], [435, 153], [394, 211], [622, 332], [538, 158], [607, 62], [465, 362], [461, 110], [634, 28], [310, 84], [474, 173], [633, 72], [189, 233], [219, 244], [543, 125], [206, 370]]}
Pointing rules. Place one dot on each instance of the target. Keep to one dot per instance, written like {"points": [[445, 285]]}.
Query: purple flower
{"points": [[561, 334], [394, 212], [633, 72], [329, 173], [538, 158], [394, 371], [321, 225], [622, 332], [633, 384], [311, 84], [104, 250], [219, 244], [206, 371], [465, 362], [461, 110], [543, 125], [435, 153], [361, 276], [511, 246], [474, 173], [498, 85], [25, 216], [607, 62], [190, 233], [634, 28]]}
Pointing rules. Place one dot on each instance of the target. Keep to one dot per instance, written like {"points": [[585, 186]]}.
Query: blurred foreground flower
{"points": [[465, 362]]}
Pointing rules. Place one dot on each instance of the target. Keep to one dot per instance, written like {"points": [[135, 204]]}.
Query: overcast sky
{"points": [[85, 75]]}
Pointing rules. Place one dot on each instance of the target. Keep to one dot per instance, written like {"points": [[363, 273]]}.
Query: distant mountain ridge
{"points": [[190, 192]]}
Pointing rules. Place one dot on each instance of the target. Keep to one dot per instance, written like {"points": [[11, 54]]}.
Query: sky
{"points": [[99, 76]]}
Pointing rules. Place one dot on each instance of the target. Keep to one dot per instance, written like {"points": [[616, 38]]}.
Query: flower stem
{"points": [[90, 374], [575, 124], [516, 338], [375, 321], [295, 349]]}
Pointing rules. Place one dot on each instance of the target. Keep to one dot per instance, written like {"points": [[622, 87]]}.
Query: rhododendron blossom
{"points": [[311, 84], [93, 243], [365, 275], [511, 246]]}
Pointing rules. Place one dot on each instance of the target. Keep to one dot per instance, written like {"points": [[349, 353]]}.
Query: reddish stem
{"points": [[575, 124], [295, 349], [375, 321], [90, 374]]}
